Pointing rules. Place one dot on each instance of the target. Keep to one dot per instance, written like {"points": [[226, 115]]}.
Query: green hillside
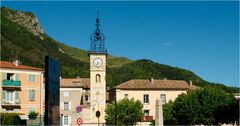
{"points": [[17, 42]]}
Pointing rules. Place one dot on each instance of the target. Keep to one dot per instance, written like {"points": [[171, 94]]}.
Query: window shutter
{"points": [[69, 106], [17, 97], [4, 76], [3, 96], [17, 76], [33, 94], [69, 121]]}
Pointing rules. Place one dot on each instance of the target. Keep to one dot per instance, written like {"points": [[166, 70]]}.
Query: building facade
{"points": [[74, 93], [21, 88], [148, 91]]}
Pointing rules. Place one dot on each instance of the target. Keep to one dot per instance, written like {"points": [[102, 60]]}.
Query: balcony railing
{"points": [[16, 102], [146, 118], [10, 83]]}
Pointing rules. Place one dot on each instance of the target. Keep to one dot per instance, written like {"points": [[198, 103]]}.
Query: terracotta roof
{"points": [[139, 84], [10, 65], [75, 82]]}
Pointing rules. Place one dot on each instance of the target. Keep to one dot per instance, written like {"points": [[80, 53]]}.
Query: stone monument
{"points": [[159, 113]]}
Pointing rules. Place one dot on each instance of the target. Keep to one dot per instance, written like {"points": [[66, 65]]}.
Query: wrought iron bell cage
{"points": [[97, 39]]}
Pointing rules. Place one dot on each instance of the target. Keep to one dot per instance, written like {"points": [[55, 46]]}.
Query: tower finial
{"points": [[97, 39]]}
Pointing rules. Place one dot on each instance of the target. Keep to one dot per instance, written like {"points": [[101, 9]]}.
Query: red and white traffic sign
{"points": [[79, 121]]}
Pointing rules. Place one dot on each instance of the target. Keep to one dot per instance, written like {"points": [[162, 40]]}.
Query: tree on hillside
{"points": [[208, 106], [125, 112]]}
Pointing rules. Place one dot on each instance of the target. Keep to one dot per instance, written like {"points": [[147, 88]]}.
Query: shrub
{"points": [[10, 119], [32, 115]]}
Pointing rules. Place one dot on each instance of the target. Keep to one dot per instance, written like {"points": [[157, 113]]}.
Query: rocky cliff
{"points": [[25, 19]]}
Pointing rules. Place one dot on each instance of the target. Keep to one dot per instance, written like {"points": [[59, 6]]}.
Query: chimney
{"points": [[151, 80], [164, 80], [190, 83], [16, 62]]}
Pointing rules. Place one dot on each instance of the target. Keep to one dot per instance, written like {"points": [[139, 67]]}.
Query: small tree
{"points": [[168, 117], [208, 106], [124, 112]]}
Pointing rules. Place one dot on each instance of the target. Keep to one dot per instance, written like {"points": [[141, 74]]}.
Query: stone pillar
{"points": [[159, 113]]}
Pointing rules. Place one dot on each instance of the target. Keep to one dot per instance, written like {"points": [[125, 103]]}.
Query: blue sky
{"points": [[199, 36]]}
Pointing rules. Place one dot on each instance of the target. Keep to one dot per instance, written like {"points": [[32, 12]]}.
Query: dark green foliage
{"points": [[207, 106], [128, 112], [18, 43], [168, 114], [10, 119], [145, 69], [32, 115]]}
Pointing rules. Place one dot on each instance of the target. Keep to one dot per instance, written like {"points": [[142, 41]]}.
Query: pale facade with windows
{"points": [[74, 92], [21, 88], [148, 91]]}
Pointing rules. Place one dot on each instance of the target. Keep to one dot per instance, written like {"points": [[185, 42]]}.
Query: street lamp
{"points": [[61, 115]]}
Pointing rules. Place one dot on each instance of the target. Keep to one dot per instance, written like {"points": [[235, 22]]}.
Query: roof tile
{"points": [[136, 84], [10, 65]]}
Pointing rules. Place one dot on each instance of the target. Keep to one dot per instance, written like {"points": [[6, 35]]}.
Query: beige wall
{"points": [[73, 99], [98, 90], [25, 103], [153, 96]]}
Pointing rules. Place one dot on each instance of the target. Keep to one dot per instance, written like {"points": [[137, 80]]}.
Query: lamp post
{"points": [[61, 115]]}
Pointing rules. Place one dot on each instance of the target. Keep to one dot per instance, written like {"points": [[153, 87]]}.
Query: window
{"points": [[65, 105], [65, 93], [98, 78], [31, 95], [86, 97], [65, 120], [10, 76], [126, 96], [163, 98], [9, 97], [145, 98], [31, 78], [146, 112], [31, 109]]}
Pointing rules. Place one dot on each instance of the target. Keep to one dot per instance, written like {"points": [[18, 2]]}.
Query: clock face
{"points": [[97, 62]]}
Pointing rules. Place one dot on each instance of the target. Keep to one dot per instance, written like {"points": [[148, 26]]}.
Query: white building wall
{"points": [[153, 96]]}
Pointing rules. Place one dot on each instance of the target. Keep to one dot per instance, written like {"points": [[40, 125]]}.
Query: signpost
{"points": [[79, 109], [79, 121], [98, 115]]}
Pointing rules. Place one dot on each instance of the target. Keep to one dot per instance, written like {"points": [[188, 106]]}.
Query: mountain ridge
{"points": [[18, 42]]}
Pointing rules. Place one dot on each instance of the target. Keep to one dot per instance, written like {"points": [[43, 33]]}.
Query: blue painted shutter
{"points": [[33, 94], [4, 96], [17, 100]]}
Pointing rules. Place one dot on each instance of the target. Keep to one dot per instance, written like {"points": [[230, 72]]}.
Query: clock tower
{"points": [[98, 55]]}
